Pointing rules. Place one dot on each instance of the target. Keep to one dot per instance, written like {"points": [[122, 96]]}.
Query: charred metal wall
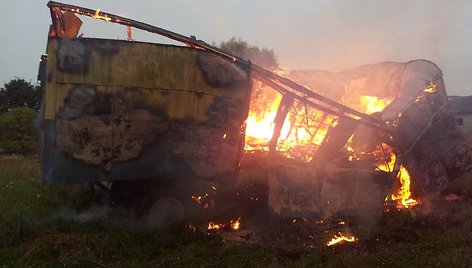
{"points": [[122, 110]]}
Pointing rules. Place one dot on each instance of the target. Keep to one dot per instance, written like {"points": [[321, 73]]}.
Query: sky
{"points": [[330, 35]]}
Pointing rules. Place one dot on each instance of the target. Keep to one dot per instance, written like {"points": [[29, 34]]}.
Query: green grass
{"points": [[35, 231]]}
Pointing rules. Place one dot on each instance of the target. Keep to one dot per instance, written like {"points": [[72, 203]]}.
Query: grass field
{"points": [[64, 227]]}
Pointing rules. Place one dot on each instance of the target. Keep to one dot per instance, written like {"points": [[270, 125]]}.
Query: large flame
{"points": [[403, 196], [303, 127], [260, 124], [303, 130]]}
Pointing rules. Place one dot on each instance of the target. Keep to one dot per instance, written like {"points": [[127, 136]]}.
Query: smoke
{"points": [[93, 213], [323, 35], [165, 213], [338, 35]]}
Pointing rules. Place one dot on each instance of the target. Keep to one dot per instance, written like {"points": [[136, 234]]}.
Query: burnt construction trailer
{"points": [[126, 111]]}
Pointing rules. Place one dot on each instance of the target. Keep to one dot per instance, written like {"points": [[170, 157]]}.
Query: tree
{"points": [[19, 93], [264, 57], [16, 131]]}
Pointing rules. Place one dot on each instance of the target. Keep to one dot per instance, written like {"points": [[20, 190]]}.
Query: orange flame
{"points": [[236, 224], [198, 198], [339, 237], [233, 225], [304, 126], [100, 16], [388, 167], [215, 226], [403, 196], [260, 126], [374, 104], [431, 88]]}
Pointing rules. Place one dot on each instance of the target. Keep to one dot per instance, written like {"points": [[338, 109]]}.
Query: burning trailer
{"points": [[141, 115]]}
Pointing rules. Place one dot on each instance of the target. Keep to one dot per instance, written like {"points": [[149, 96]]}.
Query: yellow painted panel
{"points": [[141, 65]]}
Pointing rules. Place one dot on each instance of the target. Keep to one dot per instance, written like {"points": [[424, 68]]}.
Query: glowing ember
{"points": [[191, 227], [198, 198], [215, 226], [403, 195], [430, 89], [236, 224], [339, 237], [233, 225]]}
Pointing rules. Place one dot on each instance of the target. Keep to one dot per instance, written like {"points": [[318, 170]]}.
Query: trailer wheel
{"points": [[165, 212]]}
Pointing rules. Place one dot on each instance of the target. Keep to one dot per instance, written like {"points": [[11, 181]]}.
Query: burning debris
{"points": [[233, 225], [340, 238], [329, 144]]}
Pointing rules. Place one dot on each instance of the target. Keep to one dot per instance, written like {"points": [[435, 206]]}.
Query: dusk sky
{"points": [[323, 35]]}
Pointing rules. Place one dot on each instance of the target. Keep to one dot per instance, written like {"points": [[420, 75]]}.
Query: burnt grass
{"points": [[66, 227]]}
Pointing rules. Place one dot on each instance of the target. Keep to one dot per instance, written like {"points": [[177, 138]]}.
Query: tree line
{"points": [[19, 105]]}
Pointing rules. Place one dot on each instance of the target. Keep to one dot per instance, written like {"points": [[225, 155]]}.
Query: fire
{"points": [[233, 225], [403, 196], [373, 104], [388, 167], [303, 129], [191, 227], [205, 200], [215, 226], [339, 237], [198, 198], [236, 224], [260, 126], [100, 16], [431, 88]]}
